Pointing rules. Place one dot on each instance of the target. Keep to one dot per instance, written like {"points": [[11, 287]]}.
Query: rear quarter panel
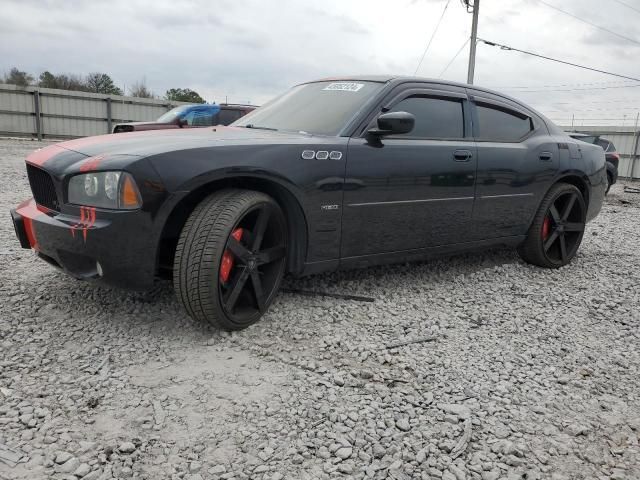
{"points": [[588, 162]]}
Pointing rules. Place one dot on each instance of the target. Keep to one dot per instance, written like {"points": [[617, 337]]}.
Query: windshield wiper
{"points": [[251, 125]]}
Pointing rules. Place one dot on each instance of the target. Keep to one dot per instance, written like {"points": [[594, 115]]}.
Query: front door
{"points": [[411, 191]]}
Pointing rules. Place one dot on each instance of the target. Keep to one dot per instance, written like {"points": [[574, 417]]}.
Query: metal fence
{"points": [[625, 140], [49, 113]]}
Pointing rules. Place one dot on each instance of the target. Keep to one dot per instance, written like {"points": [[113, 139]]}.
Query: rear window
{"points": [[606, 145], [501, 125], [585, 138], [228, 116]]}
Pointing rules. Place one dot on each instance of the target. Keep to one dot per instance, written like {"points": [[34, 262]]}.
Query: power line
{"points": [[628, 6], [623, 100], [571, 110], [432, 36], [590, 23], [582, 118], [570, 89], [454, 58], [617, 82], [506, 47]]}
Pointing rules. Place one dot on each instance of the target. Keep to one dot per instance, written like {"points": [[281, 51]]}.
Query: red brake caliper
{"points": [[227, 258], [546, 228]]}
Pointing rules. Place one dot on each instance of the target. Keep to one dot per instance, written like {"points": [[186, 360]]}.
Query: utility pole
{"points": [[474, 40]]}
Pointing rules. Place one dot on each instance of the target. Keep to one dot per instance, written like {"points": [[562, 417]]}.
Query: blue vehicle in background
{"points": [[190, 116]]}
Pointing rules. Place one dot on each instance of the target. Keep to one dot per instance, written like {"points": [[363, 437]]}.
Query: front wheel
{"points": [[557, 229], [230, 258]]}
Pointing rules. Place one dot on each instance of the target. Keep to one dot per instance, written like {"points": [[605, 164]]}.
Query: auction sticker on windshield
{"points": [[344, 86]]}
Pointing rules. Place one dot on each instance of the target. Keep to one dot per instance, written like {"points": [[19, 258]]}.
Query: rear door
{"points": [[411, 191], [516, 162]]}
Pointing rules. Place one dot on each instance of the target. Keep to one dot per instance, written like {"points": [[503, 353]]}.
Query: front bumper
{"points": [[94, 244]]}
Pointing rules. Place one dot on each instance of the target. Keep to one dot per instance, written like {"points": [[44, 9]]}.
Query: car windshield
{"points": [[171, 115], [321, 108]]}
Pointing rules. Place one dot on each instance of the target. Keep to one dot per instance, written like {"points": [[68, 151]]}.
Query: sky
{"points": [[248, 51]]}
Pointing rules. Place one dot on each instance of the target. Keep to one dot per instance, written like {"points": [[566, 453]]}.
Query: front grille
{"points": [[44, 192]]}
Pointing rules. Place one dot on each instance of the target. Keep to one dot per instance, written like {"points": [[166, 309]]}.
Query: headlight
{"points": [[111, 182], [115, 190]]}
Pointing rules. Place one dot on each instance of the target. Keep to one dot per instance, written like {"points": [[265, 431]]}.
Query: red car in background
{"points": [[198, 115]]}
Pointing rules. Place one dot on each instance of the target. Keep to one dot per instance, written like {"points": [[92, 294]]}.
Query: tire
{"points": [[609, 183], [557, 229], [229, 228]]}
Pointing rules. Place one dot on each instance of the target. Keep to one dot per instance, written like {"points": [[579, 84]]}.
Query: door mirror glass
{"points": [[394, 123]]}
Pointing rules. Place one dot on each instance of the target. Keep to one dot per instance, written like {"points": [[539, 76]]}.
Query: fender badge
{"points": [[308, 154], [335, 155], [322, 155]]}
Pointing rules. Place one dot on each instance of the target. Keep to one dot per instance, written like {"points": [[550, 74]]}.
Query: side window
{"points": [[435, 117], [201, 118], [228, 116], [188, 117], [498, 125]]}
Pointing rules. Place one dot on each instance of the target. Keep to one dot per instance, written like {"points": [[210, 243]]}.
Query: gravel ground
{"points": [[523, 373]]}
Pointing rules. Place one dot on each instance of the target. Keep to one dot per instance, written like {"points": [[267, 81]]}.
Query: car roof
{"points": [[408, 79], [399, 79]]}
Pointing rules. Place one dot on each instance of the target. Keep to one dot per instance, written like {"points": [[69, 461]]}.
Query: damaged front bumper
{"points": [[92, 243]]}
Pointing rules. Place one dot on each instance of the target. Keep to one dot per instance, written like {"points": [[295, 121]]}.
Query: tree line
{"points": [[96, 83]]}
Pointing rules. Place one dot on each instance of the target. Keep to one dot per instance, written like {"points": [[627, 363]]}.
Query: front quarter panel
{"points": [[316, 184]]}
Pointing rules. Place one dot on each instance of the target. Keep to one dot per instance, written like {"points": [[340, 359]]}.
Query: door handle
{"points": [[462, 155], [546, 156]]}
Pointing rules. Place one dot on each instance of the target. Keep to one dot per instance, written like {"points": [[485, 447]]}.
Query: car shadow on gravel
{"points": [[158, 309]]}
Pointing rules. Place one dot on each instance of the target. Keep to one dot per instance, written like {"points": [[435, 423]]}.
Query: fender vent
{"points": [[44, 192]]}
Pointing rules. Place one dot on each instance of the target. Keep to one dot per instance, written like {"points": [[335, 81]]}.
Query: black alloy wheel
{"points": [[557, 230], [257, 251], [231, 257]]}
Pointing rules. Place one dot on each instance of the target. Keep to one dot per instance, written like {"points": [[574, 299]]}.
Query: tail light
{"points": [[614, 158]]}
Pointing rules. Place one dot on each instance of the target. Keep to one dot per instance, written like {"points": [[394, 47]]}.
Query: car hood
{"points": [[147, 143], [115, 151]]}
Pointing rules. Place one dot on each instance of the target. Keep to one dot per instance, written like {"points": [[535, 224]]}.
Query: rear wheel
{"points": [[557, 229], [230, 258]]}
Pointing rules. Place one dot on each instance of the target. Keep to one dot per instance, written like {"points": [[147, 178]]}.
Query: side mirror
{"points": [[394, 123], [181, 122]]}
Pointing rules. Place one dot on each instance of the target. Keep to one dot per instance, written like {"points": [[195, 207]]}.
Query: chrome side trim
{"points": [[508, 195], [400, 202]]}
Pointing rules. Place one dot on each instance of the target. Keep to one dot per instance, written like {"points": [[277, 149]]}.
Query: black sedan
{"points": [[336, 173]]}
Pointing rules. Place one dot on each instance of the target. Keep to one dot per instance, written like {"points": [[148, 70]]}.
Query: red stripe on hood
{"points": [[80, 143], [40, 156]]}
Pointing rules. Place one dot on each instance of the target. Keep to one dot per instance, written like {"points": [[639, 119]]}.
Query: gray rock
{"points": [[82, 470], [217, 470], [127, 447], [344, 452], [62, 457], [403, 424], [69, 466]]}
